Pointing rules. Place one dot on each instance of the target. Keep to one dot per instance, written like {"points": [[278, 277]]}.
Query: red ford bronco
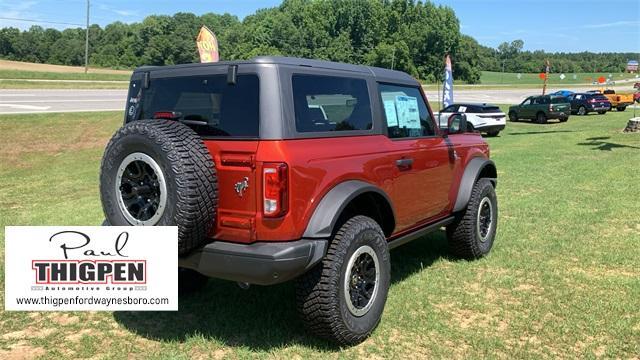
{"points": [[281, 168]]}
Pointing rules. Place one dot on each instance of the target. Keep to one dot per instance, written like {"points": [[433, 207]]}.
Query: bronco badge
{"points": [[241, 186]]}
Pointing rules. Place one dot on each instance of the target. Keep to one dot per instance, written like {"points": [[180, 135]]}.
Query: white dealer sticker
{"points": [[75, 268]]}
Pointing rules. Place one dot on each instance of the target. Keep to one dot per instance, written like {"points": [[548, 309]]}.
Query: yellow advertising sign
{"points": [[207, 46]]}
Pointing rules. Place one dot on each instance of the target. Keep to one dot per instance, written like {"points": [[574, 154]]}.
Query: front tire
{"points": [[493, 133], [342, 298], [472, 233], [513, 116], [621, 108], [602, 112]]}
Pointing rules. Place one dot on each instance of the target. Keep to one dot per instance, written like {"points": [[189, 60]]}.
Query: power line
{"points": [[40, 21]]}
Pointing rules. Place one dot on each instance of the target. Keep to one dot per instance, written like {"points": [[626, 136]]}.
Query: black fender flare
{"points": [[471, 174], [328, 211]]}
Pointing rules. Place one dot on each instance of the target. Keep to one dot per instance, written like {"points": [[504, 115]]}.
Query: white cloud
{"points": [[612, 24], [124, 12], [18, 10]]}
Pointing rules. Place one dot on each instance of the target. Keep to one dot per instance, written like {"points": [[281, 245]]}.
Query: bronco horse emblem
{"points": [[241, 186]]}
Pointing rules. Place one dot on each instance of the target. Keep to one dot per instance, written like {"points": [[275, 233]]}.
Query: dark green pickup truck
{"points": [[541, 108]]}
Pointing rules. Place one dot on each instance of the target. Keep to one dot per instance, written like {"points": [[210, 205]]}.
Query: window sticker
{"points": [[407, 111], [390, 112], [462, 109]]}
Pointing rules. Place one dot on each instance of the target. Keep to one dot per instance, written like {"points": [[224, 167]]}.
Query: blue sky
{"points": [[560, 25]]}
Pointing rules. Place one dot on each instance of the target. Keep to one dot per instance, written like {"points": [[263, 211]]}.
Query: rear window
{"points": [[330, 103], [600, 97], [207, 104], [490, 109], [559, 100], [478, 109]]}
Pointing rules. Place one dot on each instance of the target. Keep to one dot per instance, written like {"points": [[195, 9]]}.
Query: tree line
{"points": [[406, 35]]}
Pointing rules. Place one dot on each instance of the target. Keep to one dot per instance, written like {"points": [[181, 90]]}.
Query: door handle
{"points": [[404, 164]]}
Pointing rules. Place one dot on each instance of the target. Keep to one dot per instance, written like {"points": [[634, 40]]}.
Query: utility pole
{"points": [[86, 43], [393, 57], [547, 67]]}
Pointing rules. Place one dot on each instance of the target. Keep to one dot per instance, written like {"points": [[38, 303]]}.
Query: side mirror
{"points": [[457, 124]]}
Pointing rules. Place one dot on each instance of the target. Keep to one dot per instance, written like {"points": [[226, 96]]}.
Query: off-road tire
{"points": [[541, 118], [621, 108], [189, 174], [513, 116], [320, 293], [190, 281], [464, 239]]}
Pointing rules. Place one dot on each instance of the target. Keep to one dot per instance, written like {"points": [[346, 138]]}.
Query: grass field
{"points": [[562, 281], [20, 75]]}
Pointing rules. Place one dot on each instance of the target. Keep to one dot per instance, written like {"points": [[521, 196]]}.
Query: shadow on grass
{"points": [[599, 143], [264, 317], [542, 132]]}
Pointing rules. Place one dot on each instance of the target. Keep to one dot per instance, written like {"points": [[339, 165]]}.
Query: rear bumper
{"points": [[490, 128], [558, 114], [259, 263]]}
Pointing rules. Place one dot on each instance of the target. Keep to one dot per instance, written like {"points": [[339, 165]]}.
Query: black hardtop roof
{"points": [[291, 61]]}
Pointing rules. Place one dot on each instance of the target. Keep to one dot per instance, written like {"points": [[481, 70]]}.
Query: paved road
{"points": [[46, 101]]}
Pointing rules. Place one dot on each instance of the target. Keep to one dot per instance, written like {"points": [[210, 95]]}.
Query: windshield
{"points": [[207, 104]]}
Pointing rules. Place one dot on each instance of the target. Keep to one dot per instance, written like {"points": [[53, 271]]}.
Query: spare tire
{"points": [[159, 172]]}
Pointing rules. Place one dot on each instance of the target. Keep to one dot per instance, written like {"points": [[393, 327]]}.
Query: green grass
{"points": [[497, 78], [562, 281], [21, 74]]}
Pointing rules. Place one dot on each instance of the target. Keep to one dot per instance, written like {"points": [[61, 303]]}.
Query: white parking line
{"points": [[55, 111], [61, 101], [25, 107]]}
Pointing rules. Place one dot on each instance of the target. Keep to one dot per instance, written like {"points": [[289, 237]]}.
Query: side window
{"points": [[331, 103], [527, 102], [405, 111]]}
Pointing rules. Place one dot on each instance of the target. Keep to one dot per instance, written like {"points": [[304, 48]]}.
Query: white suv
{"points": [[484, 118]]}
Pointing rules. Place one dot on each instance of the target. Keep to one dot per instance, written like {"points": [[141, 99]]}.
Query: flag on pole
{"points": [[207, 46], [447, 89]]}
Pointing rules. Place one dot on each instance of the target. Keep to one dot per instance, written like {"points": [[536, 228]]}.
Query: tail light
{"points": [[275, 194], [167, 115], [550, 107]]}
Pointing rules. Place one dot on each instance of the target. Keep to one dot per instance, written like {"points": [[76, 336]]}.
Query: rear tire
{"points": [[493, 133], [582, 111], [602, 112], [564, 119], [621, 108], [330, 297], [541, 118], [473, 231], [159, 172]]}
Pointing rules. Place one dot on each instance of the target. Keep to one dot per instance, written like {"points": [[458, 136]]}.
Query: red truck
{"points": [[282, 168]]}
